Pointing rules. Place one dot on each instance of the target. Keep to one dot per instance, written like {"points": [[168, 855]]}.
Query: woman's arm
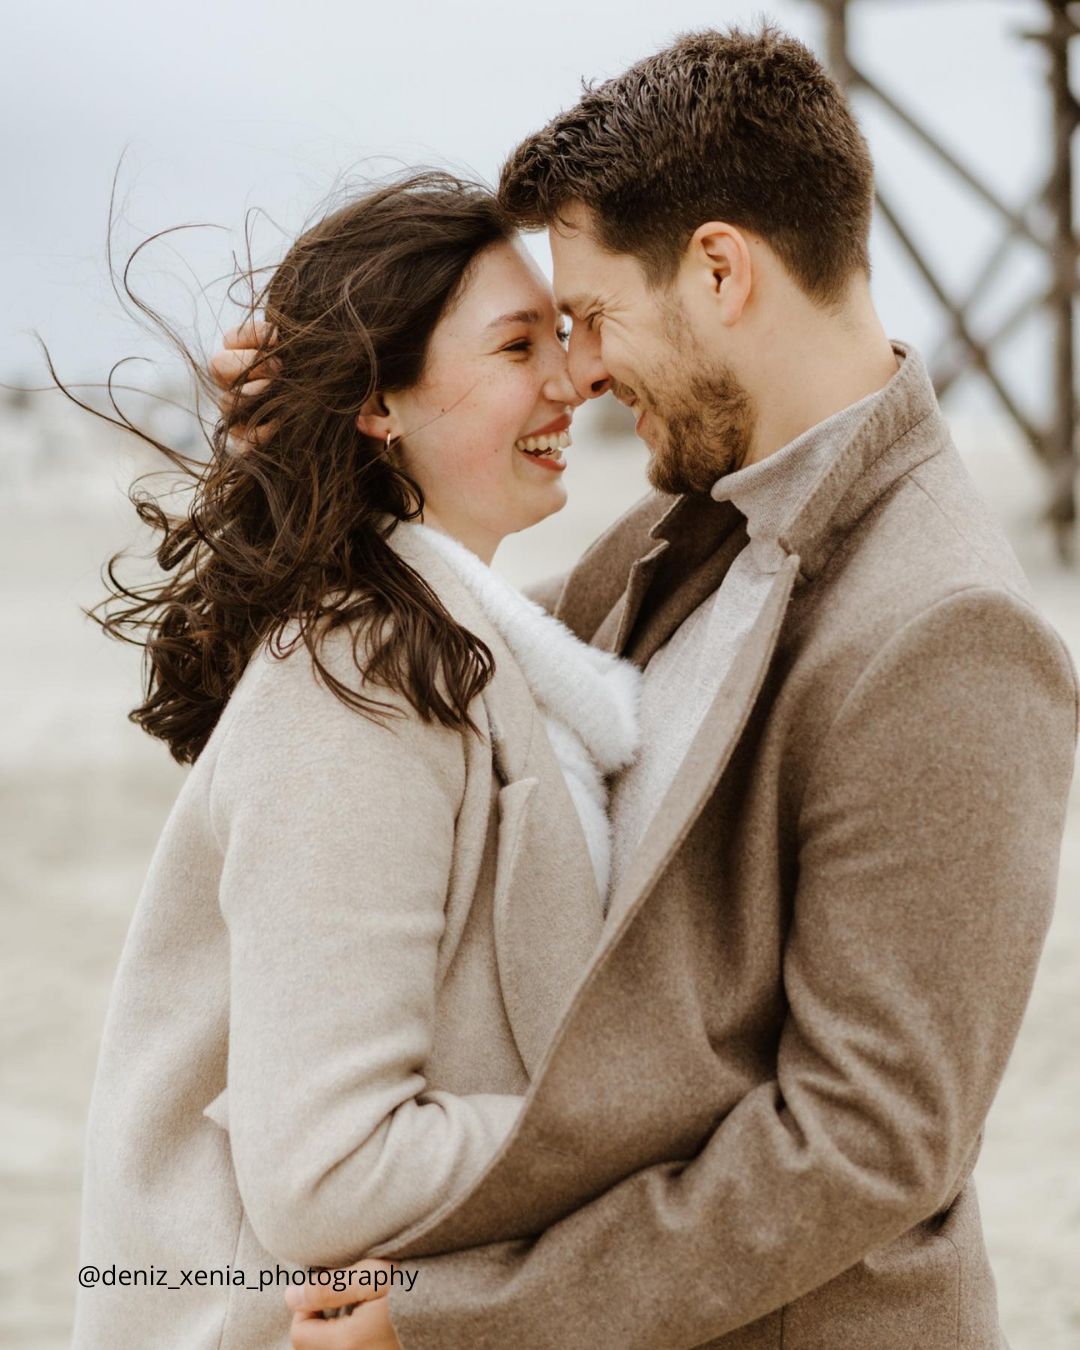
{"points": [[337, 835]]}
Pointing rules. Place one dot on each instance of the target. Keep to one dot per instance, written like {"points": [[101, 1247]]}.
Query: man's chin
{"points": [[659, 476], [677, 479]]}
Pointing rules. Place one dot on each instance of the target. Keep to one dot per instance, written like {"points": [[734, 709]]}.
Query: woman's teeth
{"points": [[542, 446]]}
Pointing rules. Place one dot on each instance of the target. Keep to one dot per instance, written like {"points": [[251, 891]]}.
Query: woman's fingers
{"points": [[309, 1331], [367, 1279], [366, 1328], [231, 401]]}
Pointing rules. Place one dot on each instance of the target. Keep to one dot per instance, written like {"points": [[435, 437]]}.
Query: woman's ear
{"points": [[375, 419]]}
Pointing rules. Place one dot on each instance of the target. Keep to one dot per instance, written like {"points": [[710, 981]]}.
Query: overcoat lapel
{"points": [[598, 581], [547, 916], [706, 759], [612, 634], [698, 539], [547, 913], [688, 587], [695, 541]]}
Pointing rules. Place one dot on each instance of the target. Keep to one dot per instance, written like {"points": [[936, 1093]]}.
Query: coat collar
{"points": [[508, 701], [902, 429], [589, 691], [676, 541]]}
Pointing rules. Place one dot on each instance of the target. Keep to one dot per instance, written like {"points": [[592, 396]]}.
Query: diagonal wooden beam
{"points": [[986, 273], [945, 372], [1016, 223], [979, 356]]}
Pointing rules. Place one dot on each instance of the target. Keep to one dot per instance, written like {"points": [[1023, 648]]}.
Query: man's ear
{"points": [[721, 260], [375, 418]]}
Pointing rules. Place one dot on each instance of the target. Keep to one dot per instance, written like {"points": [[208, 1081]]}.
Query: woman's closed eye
{"points": [[526, 344]]}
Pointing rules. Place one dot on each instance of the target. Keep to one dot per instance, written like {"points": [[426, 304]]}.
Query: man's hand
{"points": [[239, 359], [367, 1327]]}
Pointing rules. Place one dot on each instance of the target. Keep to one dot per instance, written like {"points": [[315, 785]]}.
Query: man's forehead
{"points": [[576, 274], [586, 276]]}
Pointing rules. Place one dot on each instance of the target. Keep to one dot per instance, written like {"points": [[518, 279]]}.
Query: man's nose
{"points": [[587, 370]]}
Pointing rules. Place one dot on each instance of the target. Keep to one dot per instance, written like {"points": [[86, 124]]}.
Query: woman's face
{"points": [[495, 379]]}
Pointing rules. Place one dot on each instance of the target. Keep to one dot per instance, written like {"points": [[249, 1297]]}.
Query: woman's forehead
{"points": [[505, 280]]}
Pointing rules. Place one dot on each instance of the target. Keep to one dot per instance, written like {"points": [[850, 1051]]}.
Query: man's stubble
{"points": [[706, 415]]}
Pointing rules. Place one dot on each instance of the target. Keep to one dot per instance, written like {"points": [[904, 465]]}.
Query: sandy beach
{"points": [[85, 793]]}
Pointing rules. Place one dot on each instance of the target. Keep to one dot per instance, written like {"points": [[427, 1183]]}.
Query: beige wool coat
{"points": [[756, 1125], [351, 949]]}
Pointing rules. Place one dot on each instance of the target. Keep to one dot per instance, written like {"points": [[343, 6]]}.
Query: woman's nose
{"points": [[560, 387]]}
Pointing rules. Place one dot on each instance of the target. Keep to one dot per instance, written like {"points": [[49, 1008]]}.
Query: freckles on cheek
{"points": [[494, 418]]}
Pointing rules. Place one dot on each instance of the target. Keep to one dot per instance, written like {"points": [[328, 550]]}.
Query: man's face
{"points": [[639, 341]]}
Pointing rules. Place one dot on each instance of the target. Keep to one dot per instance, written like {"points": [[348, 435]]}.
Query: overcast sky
{"points": [[219, 107]]}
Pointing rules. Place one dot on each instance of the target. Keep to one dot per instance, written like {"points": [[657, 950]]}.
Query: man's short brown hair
{"points": [[743, 127]]}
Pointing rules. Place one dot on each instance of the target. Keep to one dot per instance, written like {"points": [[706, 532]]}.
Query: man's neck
{"points": [[833, 368]]}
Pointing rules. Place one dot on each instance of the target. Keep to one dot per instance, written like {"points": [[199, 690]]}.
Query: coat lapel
{"points": [[707, 756], [693, 544], [547, 914], [597, 583], [690, 582], [612, 634]]}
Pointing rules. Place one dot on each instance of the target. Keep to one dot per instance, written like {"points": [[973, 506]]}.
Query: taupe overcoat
{"points": [[757, 1123], [351, 948]]}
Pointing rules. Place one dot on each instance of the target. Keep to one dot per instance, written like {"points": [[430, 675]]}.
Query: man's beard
{"points": [[705, 417]]}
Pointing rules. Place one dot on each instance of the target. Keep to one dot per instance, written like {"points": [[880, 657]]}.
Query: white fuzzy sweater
{"points": [[588, 698]]}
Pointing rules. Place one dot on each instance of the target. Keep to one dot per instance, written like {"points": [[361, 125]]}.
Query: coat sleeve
{"points": [[337, 836], [929, 842]]}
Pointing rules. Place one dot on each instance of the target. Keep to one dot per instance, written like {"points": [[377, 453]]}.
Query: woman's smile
{"points": [[545, 445]]}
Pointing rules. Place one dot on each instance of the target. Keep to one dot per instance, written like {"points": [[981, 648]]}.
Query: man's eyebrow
{"points": [[518, 316], [578, 304]]}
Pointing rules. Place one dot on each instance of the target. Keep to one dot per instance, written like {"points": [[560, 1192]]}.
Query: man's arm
{"points": [[930, 835]]}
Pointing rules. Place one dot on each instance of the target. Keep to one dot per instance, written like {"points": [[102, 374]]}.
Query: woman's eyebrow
{"points": [[518, 316]]}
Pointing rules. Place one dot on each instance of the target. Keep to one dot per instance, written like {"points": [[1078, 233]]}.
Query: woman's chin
{"points": [[531, 508], [554, 499]]}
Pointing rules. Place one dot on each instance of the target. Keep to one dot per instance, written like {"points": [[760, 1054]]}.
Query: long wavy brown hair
{"points": [[292, 524]]}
